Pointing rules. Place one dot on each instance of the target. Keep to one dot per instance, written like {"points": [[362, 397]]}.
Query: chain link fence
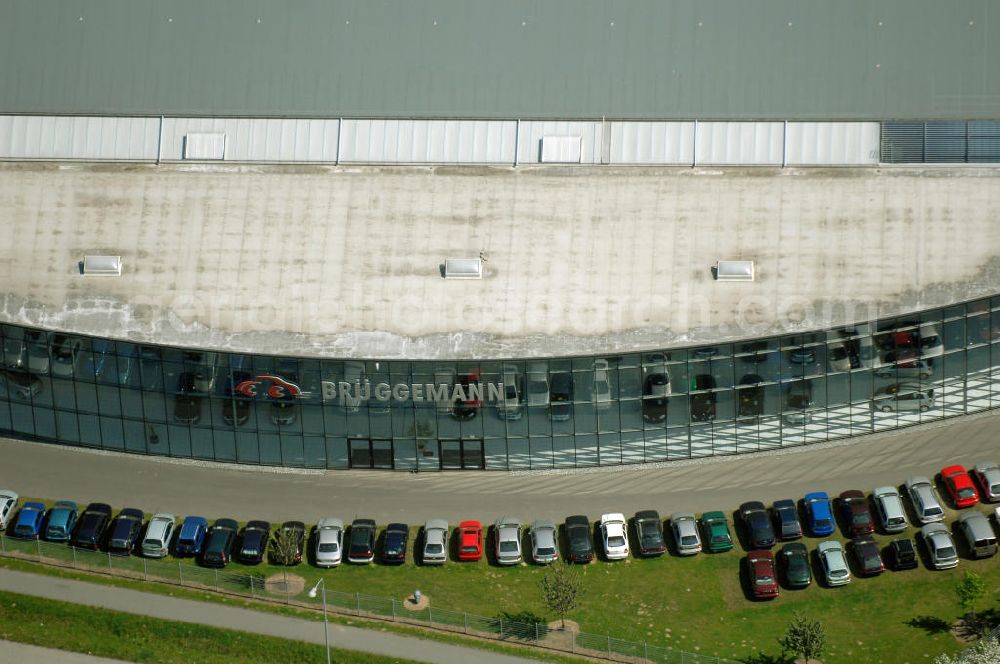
{"points": [[280, 590]]}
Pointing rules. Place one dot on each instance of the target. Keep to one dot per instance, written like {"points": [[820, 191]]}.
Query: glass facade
{"points": [[566, 412]]}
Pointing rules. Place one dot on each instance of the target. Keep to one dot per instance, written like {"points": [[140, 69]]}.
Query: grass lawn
{"points": [[697, 604], [66, 626]]}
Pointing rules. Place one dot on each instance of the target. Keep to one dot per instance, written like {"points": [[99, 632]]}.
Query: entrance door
{"points": [[461, 454], [367, 453]]}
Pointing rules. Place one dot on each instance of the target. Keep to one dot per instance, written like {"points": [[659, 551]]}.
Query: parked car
{"points": [[614, 536], [835, 569], [395, 540], [470, 541], [544, 542], [794, 560], [509, 407], [508, 540], [940, 545], [561, 408], [902, 554], [655, 393], [235, 407], [959, 485], [124, 532], [579, 539], [751, 396], [538, 384], [8, 504], [329, 542], [798, 401], [191, 539], [924, 499], [786, 518], [649, 533], [294, 532], [866, 556], [188, 400], [61, 521], [702, 401], [91, 526], [757, 525], [857, 516], [906, 397], [761, 574], [159, 532], [930, 341], [29, 521], [37, 351], [65, 350], [361, 541], [435, 542], [988, 474], [600, 391], [715, 532], [819, 517], [978, 534], [253, 543], [20, 384], [905, 365], [219, 543], [889, 509], [685, 530]]}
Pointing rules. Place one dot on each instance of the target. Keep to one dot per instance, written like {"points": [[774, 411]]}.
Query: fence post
{"points": [[430, 615], [110, 568], [73, 549], [645, 652], [216, 580], [501, 628], [536, 631], [609, 646], [38, 547], [251, 587], [180, 575], [145, 574], [466, 617], [357, 600]]}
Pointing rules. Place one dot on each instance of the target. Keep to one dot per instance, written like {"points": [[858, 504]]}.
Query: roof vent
{"points": [[734, 271], [463, 268], [102, 266]]}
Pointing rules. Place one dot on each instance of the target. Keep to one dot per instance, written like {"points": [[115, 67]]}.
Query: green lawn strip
{"points": [[105, 633]]}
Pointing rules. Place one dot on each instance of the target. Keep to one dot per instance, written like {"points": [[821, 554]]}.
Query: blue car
{"points": [[62, 520], [819, 514], [29, 521], [192, 536]]}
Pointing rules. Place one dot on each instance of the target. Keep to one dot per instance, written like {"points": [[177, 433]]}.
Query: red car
{"points": [[761, 573], [856, 513], [470, 540], [959, 484]]}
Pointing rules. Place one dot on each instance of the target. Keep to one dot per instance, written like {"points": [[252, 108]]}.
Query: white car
{"points": [[8, 503], [600, 392], [988, 475], [159, 532], [924, 499], [614, 536], [905, 397], [329, 542], [508, 540], [930, 341], [538, 384], [835, 568], [509, 405], [940, 545], [435, 542], [889, 509], [685, 533]]}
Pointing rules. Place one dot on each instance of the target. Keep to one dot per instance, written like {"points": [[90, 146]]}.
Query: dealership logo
{"points": [[279, 387]]}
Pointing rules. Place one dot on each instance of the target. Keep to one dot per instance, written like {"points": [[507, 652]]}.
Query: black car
{"points": [[793, 561], [757, 525], [649, 533], [786, 518], [561, 391], [703, 403], [219, 543], [654, 400], [91, 526], [394, 546], [751, 396], [361, 541], [866, 556], [124, 531], [294, 533], [901, 554], [187, 402], [579, 540], [235, 406], [253, 544]]}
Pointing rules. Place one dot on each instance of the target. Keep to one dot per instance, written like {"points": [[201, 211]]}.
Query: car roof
{"points": [[796, 547], [829, 545], [952, 470], [104, 508], [508, 522], [470, 524], [65, 505], [262, 525], [647, 514], [784, 503], [612, 517], [884, 490], [226, 523], [852, 494], [293, 525], [33, 506], [577, 520], [933, 529], [370, 523], [986, 466], [7, 494], [195, 520], [397, 528], [752, 505], [682, 516], [977, 519], [714, 515], [817, 495], [330, 522], [132, 513], [917, 479], [436, 524], [543, 524]]}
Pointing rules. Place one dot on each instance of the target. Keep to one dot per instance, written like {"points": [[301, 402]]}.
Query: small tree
{"points": [[803, 637], [561, 590], [284, 547], [970, 590]]}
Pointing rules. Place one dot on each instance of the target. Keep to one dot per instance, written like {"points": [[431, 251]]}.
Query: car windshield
{"points": [[838, 572], [472, 549], [872, 559], [328, 547], [616, 540], [546, 551], [508, 547], [510, 392], [118, 542], [156, 543], [720, 539], [862, 519], [57, 529], [933, 511], [648, 529], [967, 492], [250, 552], [946, 552], [765, 580], [689, 539], [394, 550], [823, 523]]}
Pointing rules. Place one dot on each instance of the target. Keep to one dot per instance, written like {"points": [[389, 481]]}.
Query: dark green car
{"points": [[794, 560], [715, 532]]}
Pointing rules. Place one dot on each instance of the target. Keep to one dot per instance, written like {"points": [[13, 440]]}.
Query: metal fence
{"points": [[279, 590]]}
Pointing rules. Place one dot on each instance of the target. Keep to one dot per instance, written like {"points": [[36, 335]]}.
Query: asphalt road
{"points": [[216, 490]]}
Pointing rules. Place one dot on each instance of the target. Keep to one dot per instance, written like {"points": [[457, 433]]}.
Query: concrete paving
{"points": [[344, 261], [18, 653], [245, 620], [221, 490]]}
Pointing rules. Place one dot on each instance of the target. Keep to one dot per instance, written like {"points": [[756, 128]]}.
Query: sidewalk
{"points": [[246, 620]]}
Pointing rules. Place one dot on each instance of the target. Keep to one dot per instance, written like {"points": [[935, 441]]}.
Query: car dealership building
{"points": [[462, 235]]}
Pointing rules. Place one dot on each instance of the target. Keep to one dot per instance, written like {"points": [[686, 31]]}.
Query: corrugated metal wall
{"points": [[462, 141]]}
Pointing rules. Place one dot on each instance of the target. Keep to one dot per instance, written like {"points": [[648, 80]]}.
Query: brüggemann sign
{"points": [[354, 393]]}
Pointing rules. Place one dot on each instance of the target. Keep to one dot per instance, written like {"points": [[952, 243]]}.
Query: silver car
{"points": [[329, 542], [924, 499], [988, 475], [975, 527], [538, 384], [686, 537], [159, 532], [435, 542], [509, 406], [508, 540], [889, 509], [544, 545], [940, 545], [906, 397], [835, 568], [601, 390]]}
